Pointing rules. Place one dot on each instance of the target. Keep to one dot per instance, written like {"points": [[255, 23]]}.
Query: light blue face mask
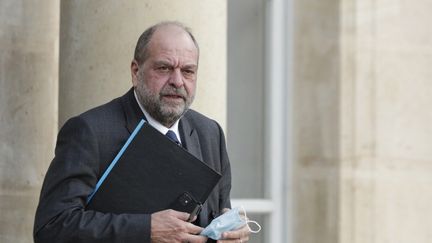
{"points": [[228, 221]]}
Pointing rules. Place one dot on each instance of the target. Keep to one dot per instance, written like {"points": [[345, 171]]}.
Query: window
{"points": [[258, 107]]}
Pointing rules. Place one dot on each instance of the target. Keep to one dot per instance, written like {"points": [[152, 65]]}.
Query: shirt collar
{"points": [[157, 125]]}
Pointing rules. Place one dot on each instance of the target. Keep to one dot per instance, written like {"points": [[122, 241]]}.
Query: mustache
{"points": [[174, 91]]}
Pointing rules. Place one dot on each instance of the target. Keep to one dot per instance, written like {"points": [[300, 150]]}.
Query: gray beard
{"points": [[161, 111]]}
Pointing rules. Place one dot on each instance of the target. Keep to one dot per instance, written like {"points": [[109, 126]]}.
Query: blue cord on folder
{"points": [[113, 163]]}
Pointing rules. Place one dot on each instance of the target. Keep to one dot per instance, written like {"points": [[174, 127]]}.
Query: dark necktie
{"points": [[171, 135]]}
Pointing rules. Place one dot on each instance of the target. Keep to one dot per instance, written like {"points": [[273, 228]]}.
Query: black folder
{"points": [[151, 173]]}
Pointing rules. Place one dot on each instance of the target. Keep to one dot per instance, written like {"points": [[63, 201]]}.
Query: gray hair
{"points": [[141, 51]]}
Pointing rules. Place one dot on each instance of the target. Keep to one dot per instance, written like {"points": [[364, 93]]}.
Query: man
{"points": [[164, 72]]}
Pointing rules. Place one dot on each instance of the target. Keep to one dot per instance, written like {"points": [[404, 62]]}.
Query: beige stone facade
{"points": [[364, 153], [28, 109]]}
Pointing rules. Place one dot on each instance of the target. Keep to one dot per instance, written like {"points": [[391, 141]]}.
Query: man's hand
{"points": [[236, 236], [170, 226]]}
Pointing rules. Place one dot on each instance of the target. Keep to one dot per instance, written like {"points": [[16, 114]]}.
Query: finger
{"points": [[196, 239], [193, 229], [241, 240], [234, 241], [232, 235], [180, 215], [193, 219], [236, 234]]}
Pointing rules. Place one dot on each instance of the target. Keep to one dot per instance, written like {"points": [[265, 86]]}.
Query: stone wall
{"points": [[363, 147], [28, 109]]}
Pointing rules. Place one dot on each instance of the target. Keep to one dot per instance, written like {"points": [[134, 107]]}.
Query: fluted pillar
{"points": [[29, 33], [98, 39]]}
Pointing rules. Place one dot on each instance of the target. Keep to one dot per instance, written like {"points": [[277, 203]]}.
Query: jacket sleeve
{"points": [[61, 216]]}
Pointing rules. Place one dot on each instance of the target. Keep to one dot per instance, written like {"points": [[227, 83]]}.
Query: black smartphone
{"points": [[187, 203]]}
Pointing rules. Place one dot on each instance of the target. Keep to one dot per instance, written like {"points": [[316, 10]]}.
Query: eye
{"points": [[163, 68], [188, 72]]}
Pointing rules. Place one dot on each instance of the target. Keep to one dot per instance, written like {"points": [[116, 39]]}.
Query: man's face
{"points": [[166, 81]]}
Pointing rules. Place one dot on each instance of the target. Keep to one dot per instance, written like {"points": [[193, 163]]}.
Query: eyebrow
{"points": [[193, 66], [166, 63]]}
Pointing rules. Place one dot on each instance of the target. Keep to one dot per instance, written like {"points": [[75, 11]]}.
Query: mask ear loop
{"points": [[250, 221], [258, 229]]}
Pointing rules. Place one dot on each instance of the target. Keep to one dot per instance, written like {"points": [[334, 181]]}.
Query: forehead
{"points": [[172, 40]]}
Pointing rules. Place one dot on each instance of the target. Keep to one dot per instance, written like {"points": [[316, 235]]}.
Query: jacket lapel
{"points": [[192, 145], [132, 111], [190, 138]]}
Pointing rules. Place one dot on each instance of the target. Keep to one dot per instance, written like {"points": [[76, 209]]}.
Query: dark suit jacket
{"points": [[86, 144]]}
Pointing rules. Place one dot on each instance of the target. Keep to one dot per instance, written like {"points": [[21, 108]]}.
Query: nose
{"points": [[176, 78]]}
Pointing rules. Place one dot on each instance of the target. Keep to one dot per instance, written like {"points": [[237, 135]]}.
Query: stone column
{"points": [[98, 39], [386, 119], [29, 33], [316, 124], [362, 119]]}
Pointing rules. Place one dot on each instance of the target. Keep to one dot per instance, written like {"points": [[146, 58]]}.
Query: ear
{"points": [[134, 72]]}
